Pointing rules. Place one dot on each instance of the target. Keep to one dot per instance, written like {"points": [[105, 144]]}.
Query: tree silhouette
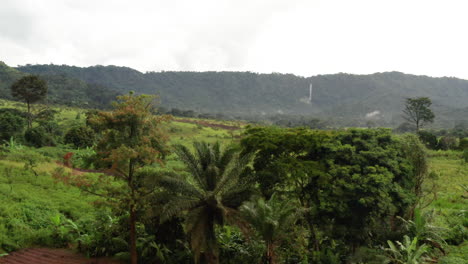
{"points": [[29, 89], [417, 111]]}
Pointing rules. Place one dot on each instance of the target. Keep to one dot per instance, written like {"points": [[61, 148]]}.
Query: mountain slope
{"points": [[339, 96], [62, 89]]}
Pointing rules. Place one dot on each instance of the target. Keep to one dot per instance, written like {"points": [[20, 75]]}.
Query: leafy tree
{"points": [[418, 112], [132, 138], [371, 175], [30, 89], [273, 220], [209, 195]]}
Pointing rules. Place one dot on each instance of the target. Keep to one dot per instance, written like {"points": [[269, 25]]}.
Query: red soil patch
{"points": [[78, 171], [208, 124], [51, 256]]}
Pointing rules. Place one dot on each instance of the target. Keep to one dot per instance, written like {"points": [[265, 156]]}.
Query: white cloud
{"points": [[373, 114], [298, 36]]}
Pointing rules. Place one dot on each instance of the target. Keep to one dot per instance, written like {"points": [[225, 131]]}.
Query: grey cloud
{"points": [[16, 23]]}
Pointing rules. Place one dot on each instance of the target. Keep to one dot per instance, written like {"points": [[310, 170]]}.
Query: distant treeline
{"points": [[342, 99]]}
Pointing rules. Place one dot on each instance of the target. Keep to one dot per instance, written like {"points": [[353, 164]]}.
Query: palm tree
{"points": [[273, 220], [208, 196]]}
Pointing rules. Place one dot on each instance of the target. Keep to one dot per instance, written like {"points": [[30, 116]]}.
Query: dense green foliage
{"points": [[80, 137], [372, 179], [428, 138], [12, 124], [38, 137]]}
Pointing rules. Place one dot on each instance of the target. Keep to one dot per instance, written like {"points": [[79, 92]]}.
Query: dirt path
{"points": [[51, 256]]}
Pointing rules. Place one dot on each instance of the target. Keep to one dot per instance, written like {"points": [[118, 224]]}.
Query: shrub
{"points": [[447, 142], [84, 158], [38, 137], [429, 139], [463, 145], [52, 127], [80, 137], [11, 125]]}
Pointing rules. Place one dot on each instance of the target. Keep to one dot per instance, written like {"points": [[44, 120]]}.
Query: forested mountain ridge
{"points": [[350, 99], [62, 89]]}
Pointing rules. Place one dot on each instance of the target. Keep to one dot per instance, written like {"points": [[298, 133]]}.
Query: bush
{"points": [[38, 137], [447, 143], [80, 137], [84, 158], [52, 128], [463, 145], [11, 125], [429, 139]]}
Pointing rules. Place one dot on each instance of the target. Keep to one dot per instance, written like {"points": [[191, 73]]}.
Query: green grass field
{"points": [[450, 205]]}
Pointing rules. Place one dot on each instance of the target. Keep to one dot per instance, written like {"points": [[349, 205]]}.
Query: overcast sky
{"points": [[304, 37]]}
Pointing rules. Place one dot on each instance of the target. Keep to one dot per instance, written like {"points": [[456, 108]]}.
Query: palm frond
{"points": [[177, 206], [192, 163], [178, 185]]}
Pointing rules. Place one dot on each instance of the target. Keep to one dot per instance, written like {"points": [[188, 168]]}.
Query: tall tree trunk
{"points": [[29, 114], [133, 249], [212, 252], [270, 254]]}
